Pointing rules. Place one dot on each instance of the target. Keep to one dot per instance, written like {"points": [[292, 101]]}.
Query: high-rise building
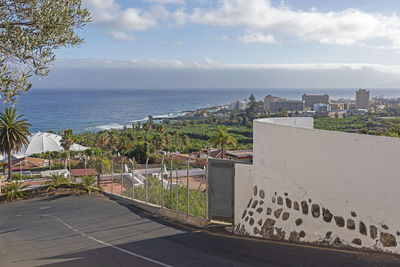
{"points": [[362, 99], [310, 100]]}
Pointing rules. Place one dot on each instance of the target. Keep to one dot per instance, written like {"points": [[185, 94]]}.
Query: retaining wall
{"points": [[323, 187]]}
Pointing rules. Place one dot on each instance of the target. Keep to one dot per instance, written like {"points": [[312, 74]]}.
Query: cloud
{"points": [[122, 36], [258, 37], [176, 74], [118, 22], [166, 43], [347, 27]]}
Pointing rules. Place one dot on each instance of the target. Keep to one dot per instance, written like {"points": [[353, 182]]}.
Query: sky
{"points": [[186, 44]]}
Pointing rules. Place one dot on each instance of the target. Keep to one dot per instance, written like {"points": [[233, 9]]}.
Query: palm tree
{"points": [[221, 138], [186, 142], [147, 127], [14, 132], [67, 141], [161, 128], [103, 140]]}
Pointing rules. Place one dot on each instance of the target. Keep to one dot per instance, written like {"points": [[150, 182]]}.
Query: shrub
{"points": [[88, 182], [56, 181], [15, 189]]}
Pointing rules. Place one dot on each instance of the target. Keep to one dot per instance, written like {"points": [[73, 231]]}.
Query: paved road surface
{"points": [[94, 231]]}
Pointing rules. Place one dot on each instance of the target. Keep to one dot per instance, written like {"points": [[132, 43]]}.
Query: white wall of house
{"points": [[354, 178], [244, 184]]}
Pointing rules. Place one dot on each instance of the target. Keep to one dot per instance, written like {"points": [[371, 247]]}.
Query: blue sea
{"points": [[94, 110]]}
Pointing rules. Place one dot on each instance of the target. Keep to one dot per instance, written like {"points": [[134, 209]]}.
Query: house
{"points": [[240, 155], [29, 163]]}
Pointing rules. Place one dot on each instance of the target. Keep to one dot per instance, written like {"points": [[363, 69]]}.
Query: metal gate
{"points": [[221, 177]]}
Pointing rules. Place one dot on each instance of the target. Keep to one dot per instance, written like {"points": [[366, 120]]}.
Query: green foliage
{"points": [[15, 190], [88, 183], [30, 32], [222, 138], [56, 181], [14, 132], [197, 207]]}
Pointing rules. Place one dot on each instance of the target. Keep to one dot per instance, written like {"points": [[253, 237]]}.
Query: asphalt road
{"points": [[94, 231]]}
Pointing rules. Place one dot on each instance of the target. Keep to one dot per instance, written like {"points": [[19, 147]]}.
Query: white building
{"points": [[322, 107], [239, 105]]}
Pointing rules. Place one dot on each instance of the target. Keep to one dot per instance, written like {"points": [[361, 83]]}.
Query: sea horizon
{"points": [[91, 110]]}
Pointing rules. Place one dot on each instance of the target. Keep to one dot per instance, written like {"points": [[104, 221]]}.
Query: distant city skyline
{"points": [[233, 44]]}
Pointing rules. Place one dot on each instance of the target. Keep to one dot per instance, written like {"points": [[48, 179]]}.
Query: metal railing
{"points": [[170, 185]]}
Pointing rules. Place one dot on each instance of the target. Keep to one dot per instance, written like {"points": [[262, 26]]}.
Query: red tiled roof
{"points": [[83, 172]]}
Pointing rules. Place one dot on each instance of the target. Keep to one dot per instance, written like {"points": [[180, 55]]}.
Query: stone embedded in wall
{"points": [[251, 213], [296, 205], [328, 235], [288, 203], [356, 241], [315, 211], [353, 213], [244, 213], [242, 230], [285, 216], [260, 222], [256, 231], [294, 237], [259, 210], [251, 222], [363, 228], [248, 205], [255, 191], [280, 201], [384, 226], [350, 224], [267, 230], [398, 233], [273, 199], [304, 207], [298, 221], [327, 215], [373, 231], [261, 202], [302, 234], [246, 219], [277, 213], [262, 194], [388, 240], [269, 211], [286, 194], [280, 234], [337, 241], [237, 228], [339, 221], [254, 205]]}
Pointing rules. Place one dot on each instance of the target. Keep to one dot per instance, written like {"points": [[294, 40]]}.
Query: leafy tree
{"points": [[14, 132], [159, 141], [221, 138], [30, 31], [252, 109], [161, 128], [103, 140], [186, 141]]}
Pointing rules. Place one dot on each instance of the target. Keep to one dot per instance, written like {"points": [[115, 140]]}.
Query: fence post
{"points": [[133, 178], [112, 175], [187, 186], [147, 180], [102, 173], [177, 187], [170, 174], [206, 180], [122, 176], [162, 181]]}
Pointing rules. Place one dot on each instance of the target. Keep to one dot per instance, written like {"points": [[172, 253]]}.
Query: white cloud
{"points": [[258, 37], [166, 43], [119, 23], [122, 36], [347, 27]]}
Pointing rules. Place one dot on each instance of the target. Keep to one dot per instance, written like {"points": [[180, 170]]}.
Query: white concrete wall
{"points": [[244, 184], [354, 176]]}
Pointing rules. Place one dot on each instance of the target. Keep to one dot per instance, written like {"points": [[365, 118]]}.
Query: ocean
{"points": [[95, 110]]}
